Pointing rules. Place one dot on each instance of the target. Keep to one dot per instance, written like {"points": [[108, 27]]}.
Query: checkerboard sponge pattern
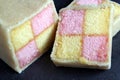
{"points": [[32, 37], [83, 35]]}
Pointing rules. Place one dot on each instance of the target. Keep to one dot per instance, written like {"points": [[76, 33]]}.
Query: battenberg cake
{"points": [[27, 30], [84, 38]]}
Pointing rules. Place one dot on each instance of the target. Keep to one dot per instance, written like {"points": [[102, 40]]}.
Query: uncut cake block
{"points": [[84, 38], [93, 3], [27, 30]]}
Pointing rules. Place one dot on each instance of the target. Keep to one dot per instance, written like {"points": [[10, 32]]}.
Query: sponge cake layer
{"points": [[43, 40], [75, 20], [96, 24], [68, 47], [27, 54], [42, 20], [95, 48], [21, 35]]}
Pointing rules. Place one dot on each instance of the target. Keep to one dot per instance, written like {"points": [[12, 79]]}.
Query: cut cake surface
{"points": [[80, 42]]}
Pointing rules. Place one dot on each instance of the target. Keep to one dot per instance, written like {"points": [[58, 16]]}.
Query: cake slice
{"points": [[84, 38], [27, 30], [93, 3]]}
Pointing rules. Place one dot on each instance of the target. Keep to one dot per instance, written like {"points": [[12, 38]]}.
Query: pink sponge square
{"points": [[27, 54], [72, 22], [95, 48], [43, 20]]}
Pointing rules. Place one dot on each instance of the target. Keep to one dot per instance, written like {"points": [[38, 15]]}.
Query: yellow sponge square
{"points": [[21, 35], [45, 39], [69, 47], [97, 24]]}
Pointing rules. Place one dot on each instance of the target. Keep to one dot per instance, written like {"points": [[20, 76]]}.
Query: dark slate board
{"points": [[44, 69]]}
